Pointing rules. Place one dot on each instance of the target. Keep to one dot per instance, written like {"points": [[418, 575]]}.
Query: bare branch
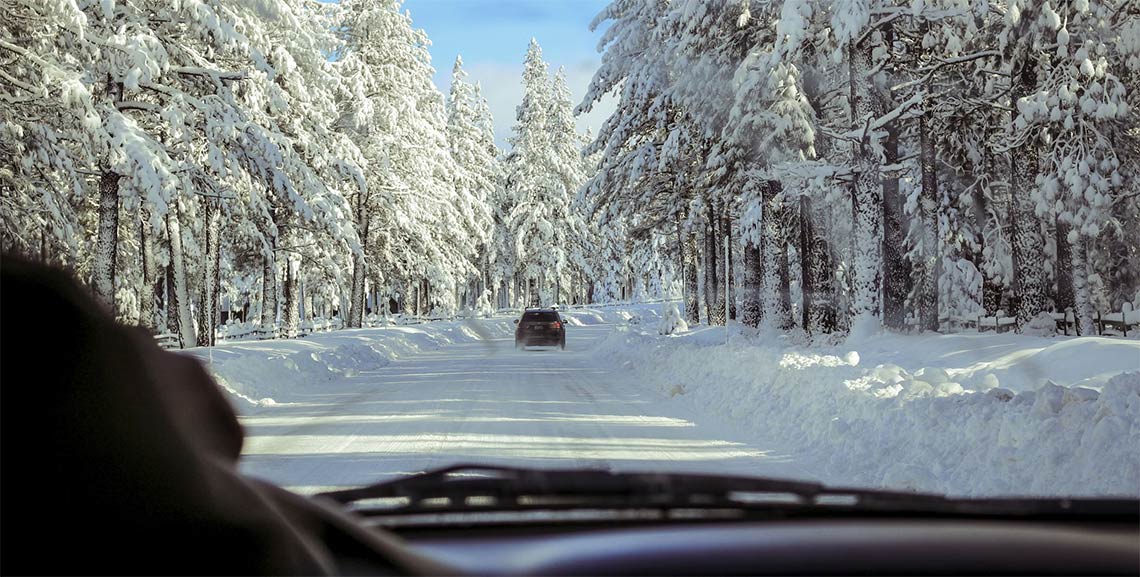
{"points": [[25, 53], [19, 84], [875, 26], [217, 75], [930, 70], [137, 105]]}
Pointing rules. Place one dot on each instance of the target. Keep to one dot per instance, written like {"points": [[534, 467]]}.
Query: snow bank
{"points": [[974, 414], [620, 314], [263, 373], [1017, 362]]}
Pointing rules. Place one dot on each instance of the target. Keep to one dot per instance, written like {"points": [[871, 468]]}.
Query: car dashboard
{"points": [[494, 520], [844, 546]]}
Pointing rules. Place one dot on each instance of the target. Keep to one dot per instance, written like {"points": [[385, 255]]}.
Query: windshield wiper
{"points": [[486, 488]]}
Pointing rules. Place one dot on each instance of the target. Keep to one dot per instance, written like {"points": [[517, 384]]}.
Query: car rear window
{"points": [[540, 317]]}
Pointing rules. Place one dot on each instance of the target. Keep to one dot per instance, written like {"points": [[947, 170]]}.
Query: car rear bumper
{"points": [[539, 340]]}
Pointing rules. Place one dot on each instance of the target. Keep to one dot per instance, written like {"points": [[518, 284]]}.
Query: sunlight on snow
{"points": [[803, 361], [628, 448], [638, 420]]}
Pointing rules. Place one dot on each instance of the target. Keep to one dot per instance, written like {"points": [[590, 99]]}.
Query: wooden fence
{"points": [[1118, 322], [1107, 324]]}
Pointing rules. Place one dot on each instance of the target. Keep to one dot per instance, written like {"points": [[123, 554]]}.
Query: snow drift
{"points": [[967, 414], [260, 373]]}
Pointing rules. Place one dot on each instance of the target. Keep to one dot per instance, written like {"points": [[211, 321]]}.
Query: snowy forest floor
{"points": [[973, 414]]}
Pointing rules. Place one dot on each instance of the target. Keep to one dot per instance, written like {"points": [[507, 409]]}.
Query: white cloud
{"points": [[502, 86]]}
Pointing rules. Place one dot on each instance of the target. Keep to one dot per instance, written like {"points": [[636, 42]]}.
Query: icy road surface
{"points": [[484, 402]]}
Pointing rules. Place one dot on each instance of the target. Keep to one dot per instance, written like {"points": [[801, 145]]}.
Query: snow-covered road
{"points": [[485, 402], [964, 414]]}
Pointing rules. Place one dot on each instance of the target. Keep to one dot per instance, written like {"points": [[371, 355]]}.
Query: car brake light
{"points": [[555, 325]]}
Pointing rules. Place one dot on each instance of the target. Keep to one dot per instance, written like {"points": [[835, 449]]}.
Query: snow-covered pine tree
{"points": [[571, 168], [864, 51], [535, 185], [399, 119], [1079, 107], [649, 160], [706, 44], [493, 246], [1023, 61], [476, 171], [771, 123], [44, 123]]}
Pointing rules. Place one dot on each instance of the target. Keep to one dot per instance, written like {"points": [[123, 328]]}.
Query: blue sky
{"points": [[492, 36]]}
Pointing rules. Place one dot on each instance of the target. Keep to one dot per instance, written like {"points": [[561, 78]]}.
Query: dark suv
{"points": [[540, 327]]}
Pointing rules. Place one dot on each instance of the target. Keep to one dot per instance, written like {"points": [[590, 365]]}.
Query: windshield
{"points": [[870, 244], [540, 317]]}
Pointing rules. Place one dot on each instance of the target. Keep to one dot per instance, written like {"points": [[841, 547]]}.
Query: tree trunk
{"points": [[147, 315], [807, 286], [356, 306], [773, 254], [719, 315], [180, 295], [490, 286], [107, 241], [928, 202], [308, 313], [372, 291], [868, 195], [714, 298], [291, 308], [787, 321], [45, 253], [791, 270], [709, 263], [1063, 271], [692, 280], [730, 274], [1028, 274], [895, 269], [1082, 293], [359, 269], [171, 313], [269, 289], [681, 257], [896, 272], [211, 253], [753, 273], [992, 289], [824, 308]]}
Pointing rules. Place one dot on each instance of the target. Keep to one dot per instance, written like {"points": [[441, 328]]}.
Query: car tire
{"points": [[562, 346], [518, 346]]}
